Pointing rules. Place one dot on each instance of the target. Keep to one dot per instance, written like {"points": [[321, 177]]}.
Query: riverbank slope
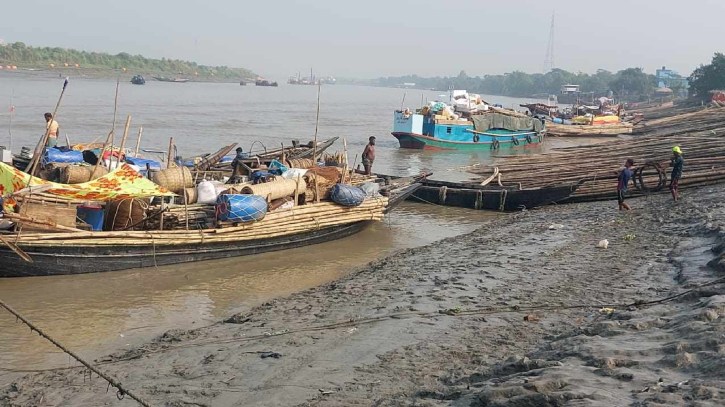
{"points": [[524, 311]]}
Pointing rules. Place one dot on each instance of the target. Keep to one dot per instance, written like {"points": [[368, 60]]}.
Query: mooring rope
{"points": [[122, 391]]}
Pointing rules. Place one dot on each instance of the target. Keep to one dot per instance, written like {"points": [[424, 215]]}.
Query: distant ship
{"points": [[312, 80], [176, 80]]}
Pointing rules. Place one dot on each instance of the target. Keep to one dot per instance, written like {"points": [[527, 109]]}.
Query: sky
{"points": [[372, 38]]}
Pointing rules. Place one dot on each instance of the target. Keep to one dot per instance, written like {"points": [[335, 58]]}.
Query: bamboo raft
{"points": [[704, 156]]}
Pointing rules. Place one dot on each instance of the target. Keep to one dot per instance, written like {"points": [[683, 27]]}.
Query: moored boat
{"points": [[175, 80], [504, 198], [487, 130], [64, 249]]}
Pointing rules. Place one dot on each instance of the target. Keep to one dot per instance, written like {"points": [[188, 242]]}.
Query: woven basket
{"points": [[174, 179], [124, 213], [191, 195], [77, 174], [279, 188], [301, 163]]}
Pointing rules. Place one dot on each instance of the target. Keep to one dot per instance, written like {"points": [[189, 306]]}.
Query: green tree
{"points": [[633, 83], [708, 77]]}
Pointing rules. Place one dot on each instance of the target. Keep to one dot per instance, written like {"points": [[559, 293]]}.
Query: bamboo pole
{"points": [[100, 158], [314, 147], [138, 141], [171, 146], [123, 139]]}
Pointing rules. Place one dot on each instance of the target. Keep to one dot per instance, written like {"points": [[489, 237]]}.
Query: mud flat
{"points": [[526, 311]]}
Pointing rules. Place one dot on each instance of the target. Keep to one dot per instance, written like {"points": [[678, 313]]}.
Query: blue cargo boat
{"points": [[489, 131]]}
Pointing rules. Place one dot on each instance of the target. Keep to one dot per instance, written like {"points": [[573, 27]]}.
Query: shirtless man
{"points": [[368, 156]]}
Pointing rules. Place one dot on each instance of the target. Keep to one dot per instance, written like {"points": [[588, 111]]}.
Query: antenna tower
{"points": [[549, 59]]}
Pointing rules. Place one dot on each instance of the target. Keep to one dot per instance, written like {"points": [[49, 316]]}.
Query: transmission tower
{"points": [[549, 59]]}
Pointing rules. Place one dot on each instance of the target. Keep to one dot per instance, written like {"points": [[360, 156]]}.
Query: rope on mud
{"points": [[122, 391]]}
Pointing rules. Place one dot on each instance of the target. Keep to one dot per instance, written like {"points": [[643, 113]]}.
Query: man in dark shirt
{"points": [[624, 175], [677, 163]]}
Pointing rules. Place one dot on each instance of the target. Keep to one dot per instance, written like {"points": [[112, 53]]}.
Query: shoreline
{"points": [[450, 323]]}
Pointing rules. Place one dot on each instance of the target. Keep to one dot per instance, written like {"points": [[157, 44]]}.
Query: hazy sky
{"points": [[373, 38]]}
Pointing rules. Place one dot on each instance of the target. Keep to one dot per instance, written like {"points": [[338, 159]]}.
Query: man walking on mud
{"points": [[677, 163], [624, 175]]}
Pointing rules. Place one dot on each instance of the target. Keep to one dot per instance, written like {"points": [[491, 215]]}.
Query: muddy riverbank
{"points": [[525, 311]]}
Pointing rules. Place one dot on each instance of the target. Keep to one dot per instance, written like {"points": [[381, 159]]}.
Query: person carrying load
{"points": [[677, 164]]}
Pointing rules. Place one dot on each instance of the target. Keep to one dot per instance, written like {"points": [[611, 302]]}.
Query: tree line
{"points": [[631, 84], [19, 54]]}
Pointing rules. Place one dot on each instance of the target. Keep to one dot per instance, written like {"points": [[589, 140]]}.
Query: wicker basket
{"points": [[77, 174], [191, 195], [174, 179], [124, 213]]}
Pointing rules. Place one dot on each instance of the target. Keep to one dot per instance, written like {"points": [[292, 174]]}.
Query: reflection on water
{"points": [[101, 312]]}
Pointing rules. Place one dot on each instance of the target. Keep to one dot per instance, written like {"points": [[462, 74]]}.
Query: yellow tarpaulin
{"points": [[122, 183]]}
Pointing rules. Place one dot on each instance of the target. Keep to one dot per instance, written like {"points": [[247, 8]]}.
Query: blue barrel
{"points": [[557, 120], [240, 208], [92, 215], [347, 195]]}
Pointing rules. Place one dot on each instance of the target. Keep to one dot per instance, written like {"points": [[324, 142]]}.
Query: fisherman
{"points": [[51, 127], [624, 175], [237, 167], [368, 156], [677, 163]]}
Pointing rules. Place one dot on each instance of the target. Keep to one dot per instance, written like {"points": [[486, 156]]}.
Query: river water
{"points": [[103, 312]]}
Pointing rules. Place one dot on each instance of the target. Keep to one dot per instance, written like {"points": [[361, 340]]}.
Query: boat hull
{"points": [[422, 142], [80, 259], [490, 198]]}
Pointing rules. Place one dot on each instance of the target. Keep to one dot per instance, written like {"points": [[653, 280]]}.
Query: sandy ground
{"points": [[526, 311]]}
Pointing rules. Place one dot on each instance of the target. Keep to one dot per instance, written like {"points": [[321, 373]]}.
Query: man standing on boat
{"points": [[368, 156], [624, 175], [51, 127], [677, 163]]}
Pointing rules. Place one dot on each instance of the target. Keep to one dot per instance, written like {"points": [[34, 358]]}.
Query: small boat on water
{"points": [[175, 80], [264, 82], [138, 80], [470, 124], [504, 198]]}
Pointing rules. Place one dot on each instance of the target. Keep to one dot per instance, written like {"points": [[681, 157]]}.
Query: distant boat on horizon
{"points": [[264, 82], [138, 80], [166, 79]]}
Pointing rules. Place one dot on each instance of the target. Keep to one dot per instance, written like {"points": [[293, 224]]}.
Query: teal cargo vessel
{"points": [[482, 131]]}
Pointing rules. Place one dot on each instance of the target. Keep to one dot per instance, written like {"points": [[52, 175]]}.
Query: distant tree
{"points": [[633, 83], [708, 77]]}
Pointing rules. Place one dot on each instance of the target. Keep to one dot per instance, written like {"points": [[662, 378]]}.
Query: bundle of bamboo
{"points": [[279, 223], [704, 161], [612, 130]]}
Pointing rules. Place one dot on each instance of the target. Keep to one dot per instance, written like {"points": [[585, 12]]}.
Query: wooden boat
{"points": [[175, 80], [496, 198], [138, 80], [262, 159], [88, 252], [588, 130]]}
